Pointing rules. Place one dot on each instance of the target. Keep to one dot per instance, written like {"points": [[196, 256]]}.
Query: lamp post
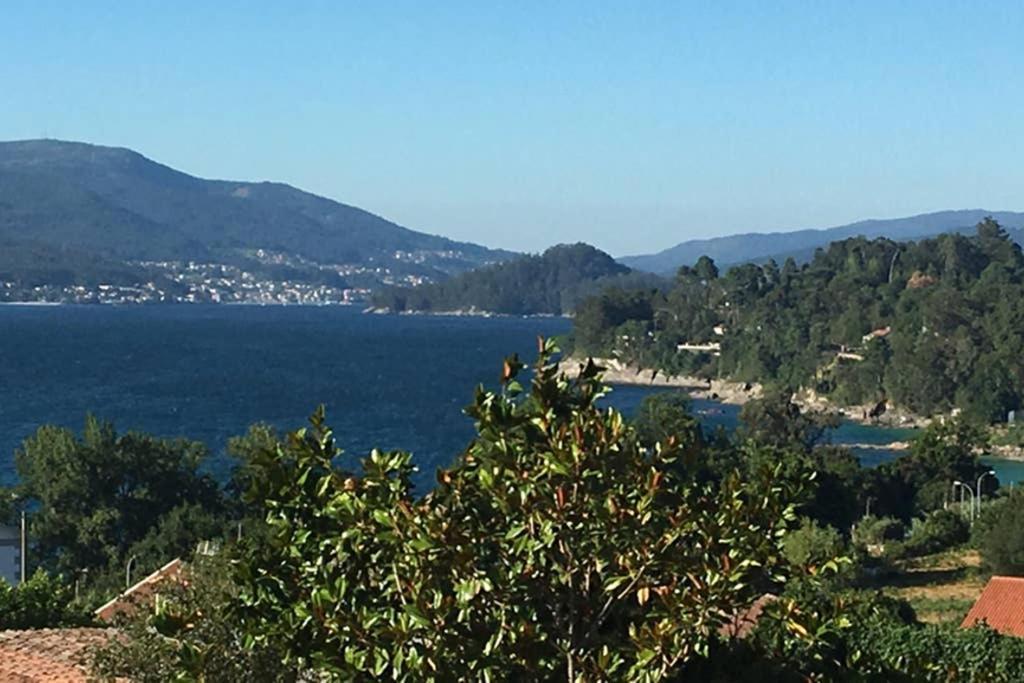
{"points": [[983, 475], [128, 573], [966, 489]]}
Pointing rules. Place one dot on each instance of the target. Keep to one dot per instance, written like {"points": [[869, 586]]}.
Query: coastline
{"points": [[739, 393], [724, 391], [463, 313], [32, 303]]}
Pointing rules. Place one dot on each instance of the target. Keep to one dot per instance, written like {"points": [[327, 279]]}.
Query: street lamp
{"points": [[128, 573], [966, 488], [983, 475]]}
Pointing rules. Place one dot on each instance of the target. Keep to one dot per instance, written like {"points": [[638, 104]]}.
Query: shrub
{"points": [[44, 601], [812, 545], [1000, 535], [873, 530], [939, 530]]}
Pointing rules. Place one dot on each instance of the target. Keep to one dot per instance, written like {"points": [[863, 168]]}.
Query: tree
{"points": [[776, 421], [556, 546], [97, 496], [812, 545], [705, 269], [664, 415], [927, 326], [944, 452]]}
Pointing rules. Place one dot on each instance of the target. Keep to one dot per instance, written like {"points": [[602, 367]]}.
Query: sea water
{"points": [[206, 372]]}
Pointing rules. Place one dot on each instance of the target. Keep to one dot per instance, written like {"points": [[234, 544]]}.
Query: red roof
{"points": [[49, 655], [1000, 606], [141, 593]]}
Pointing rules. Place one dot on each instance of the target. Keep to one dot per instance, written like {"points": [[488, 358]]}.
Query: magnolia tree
{"points": [[558, 546]]}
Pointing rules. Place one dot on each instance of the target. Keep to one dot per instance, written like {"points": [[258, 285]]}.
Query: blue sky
{"points": [[632, 126]]}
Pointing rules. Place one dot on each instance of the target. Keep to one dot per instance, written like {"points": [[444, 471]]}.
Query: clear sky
{"points": [[631, 125]]}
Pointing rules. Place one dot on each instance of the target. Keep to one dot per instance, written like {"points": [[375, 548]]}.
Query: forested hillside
{"points": [[929, 326], [80, 212], [550, 283]]}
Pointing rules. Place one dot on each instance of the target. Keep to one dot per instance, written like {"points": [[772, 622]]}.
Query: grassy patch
{"points": [[941, 587]]}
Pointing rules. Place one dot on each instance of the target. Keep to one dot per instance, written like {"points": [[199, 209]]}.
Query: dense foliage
{"points": [[101, 499], [557, 546], [43, 601], [927, 326], [550, 283], [1000, 534], [564, 543], [188, 635]]}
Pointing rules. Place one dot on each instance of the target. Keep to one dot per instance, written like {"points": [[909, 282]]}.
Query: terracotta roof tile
{"points": [[1000, 605], [49, 655]]}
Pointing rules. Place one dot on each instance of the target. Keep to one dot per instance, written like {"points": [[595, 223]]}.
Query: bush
{"points": [[44, 601], [1000, 535], [812, 545], [937, 531], [873, 530]]}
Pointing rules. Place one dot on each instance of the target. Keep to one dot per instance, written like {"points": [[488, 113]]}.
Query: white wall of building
{"points": [[10, 554]]}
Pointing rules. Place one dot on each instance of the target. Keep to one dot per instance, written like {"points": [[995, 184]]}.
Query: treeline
{"points": [[99, 499], [550, 283], [929, 326]]}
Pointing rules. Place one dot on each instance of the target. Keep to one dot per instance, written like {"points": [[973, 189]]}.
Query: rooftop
{"points": [[1000, 606], [49, 655]]}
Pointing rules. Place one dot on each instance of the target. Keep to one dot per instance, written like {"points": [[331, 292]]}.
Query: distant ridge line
{"points": [[800, 244]]}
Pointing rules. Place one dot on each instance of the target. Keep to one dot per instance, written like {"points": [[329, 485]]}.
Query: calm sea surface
{"points": [[207, 372]]}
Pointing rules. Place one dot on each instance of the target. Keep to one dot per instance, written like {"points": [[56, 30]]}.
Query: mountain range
{"points": [[65, 205], [82, 222], [800, 244]]}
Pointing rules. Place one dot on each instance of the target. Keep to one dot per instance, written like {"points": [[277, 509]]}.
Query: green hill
{"points": [[550, 283], [115, 204], [928, 326]]}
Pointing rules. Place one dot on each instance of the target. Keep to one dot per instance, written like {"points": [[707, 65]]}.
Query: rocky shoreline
{"points": [[725, 391], [738, 393]]}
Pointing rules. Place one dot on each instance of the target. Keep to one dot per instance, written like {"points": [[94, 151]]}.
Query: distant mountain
{"points": [[550, 283], [74, 202], [801, 243]]}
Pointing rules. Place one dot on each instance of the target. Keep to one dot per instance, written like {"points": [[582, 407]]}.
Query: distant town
{"points": [[307, 283]]}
